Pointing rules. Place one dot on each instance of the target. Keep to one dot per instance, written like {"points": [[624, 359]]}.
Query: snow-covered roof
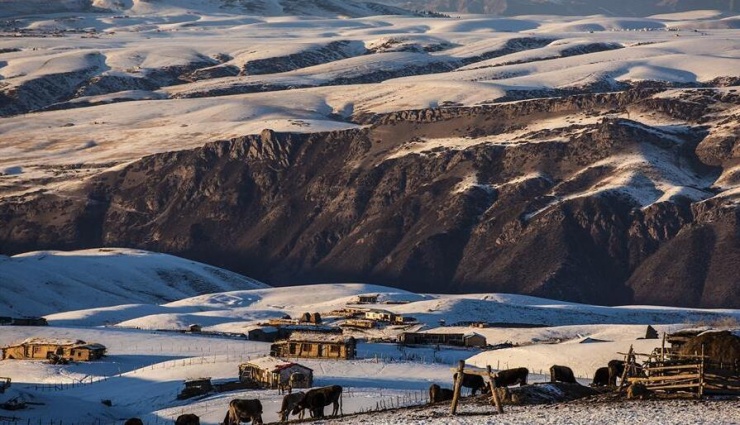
{"points": [[318, 337], [273, 363], [52, 341]]}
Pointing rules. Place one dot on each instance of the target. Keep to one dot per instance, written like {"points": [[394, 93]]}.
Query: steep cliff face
{"points": [[507, 198]]}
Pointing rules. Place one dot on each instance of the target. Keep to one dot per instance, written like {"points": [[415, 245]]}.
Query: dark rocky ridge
{"points": [[338, 206]]}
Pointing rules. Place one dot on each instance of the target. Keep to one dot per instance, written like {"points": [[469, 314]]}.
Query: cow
{"points": [[133, 421], [562, 374], [187, 419], [244, 410], [638, 390], [616, 369], [508, 377], [289, 402], [437, 394], [474, 382], [601, 377], [315, 403]]}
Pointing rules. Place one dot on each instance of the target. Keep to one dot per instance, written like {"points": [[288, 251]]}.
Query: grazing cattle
{"points": [[474, 382], [508, 377], [290, 401], [187, 419], [601, 377], [311, 400], [243, 410], [616, 369], [133, 421], [562, 374], [437, 394]]}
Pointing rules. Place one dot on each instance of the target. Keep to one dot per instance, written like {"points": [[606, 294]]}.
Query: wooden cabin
{"points": [[367, 299], [380, 315], [430, 338], [316, 345], [272, 372], [263, 333], [42, 349]]}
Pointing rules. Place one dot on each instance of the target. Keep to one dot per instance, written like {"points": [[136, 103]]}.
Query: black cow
{"points": [[314, 400], [437, 394], [616, 369], [187, 419], [289, 402], [133, 421], [474, 382], [562, 374], [601, 377], [508, 377], [243, 410]]}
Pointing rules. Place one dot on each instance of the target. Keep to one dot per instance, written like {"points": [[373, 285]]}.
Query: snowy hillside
{"points": [[47, 282]]}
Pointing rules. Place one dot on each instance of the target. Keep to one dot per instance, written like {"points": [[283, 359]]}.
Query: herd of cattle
{"points": [[246, 410], [314, 400], [604, 376]]}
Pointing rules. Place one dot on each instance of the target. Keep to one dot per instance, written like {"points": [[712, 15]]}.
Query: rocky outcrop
{"points": [[554, 212]]}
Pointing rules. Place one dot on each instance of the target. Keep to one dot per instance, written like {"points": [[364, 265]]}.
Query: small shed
{"points": [[273, 372], [42, 348], [316, 345], [473, 339], [195, 387], [29, 321], [195, 328], [263, 333]]}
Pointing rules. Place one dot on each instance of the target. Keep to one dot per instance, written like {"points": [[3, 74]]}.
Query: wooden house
{"points": [[263, 333], [367, 299], [315, 345], [430, 338], [359, 323], [380, 315], [42, 349], [272, 372]]}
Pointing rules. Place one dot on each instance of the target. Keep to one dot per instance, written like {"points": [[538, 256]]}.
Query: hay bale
{"points": [[720, 346]]}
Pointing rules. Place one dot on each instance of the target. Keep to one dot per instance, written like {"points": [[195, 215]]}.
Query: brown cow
{"points": [[133, 421], [601, 377], [562, 374], [290, 401], [243, 410], [187, 419], [507, 377], [437, 394], [474, 382], [616, 369], [315, 397]]}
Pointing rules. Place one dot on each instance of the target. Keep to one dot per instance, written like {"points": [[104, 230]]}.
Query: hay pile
{"points": [[720, 346]]}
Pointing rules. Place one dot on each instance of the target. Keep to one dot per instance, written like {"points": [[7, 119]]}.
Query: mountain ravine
{"points": [[601, 198]]}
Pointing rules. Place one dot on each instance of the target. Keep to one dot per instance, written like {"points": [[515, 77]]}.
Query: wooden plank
{"points": [[494, 393], [664, 378], [674, 387], [677, 367], [458, 386]]}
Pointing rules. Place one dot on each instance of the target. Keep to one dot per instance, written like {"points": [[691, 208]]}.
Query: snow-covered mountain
{"points": [[570, 157], [567, 7], [47, 282]]}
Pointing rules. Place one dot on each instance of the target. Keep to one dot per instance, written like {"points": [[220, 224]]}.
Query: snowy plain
{"points": [[149, 357]]}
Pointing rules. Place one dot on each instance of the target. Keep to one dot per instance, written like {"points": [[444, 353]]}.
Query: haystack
{"points": [[720, 346]]}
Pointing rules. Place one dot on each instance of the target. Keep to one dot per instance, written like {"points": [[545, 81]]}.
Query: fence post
{"points": [[494, 392], [458, 386]]}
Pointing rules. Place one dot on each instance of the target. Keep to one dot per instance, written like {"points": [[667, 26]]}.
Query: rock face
{"points": [[599, 208]]}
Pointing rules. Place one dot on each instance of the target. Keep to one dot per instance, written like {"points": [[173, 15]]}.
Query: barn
{"points": [[271, 372], [42, 349], [316, 345]]}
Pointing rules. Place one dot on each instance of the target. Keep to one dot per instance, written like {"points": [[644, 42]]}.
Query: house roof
{"points": [[318, 337], [273, 364], [52, 341]]}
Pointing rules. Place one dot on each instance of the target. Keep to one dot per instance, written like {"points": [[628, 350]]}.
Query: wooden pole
{"points": [[701, 373], [627, 365], [494, 394], [662, 350], [458, 386]]}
